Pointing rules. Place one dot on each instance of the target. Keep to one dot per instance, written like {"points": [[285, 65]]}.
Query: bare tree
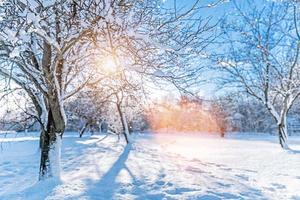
{"points": [[262, 56], [43, 46]]}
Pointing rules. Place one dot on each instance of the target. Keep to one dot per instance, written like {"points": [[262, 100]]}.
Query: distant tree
{"points": [[124, 95], [16, 116], [262, 56], [242, 113], [86, 111], [220, 113]]}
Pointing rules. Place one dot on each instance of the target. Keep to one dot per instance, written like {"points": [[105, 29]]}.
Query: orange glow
{"points": [[188, 116]]}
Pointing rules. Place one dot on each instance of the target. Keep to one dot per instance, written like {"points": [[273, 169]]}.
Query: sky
{"points": [[227, 8], [216, 11], [208, 88]]}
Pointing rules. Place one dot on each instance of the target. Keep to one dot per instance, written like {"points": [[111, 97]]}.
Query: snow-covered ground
{"points": [[155, 166]]}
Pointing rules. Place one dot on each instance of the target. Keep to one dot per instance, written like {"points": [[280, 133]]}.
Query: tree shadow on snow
{"points": [[106, 186], [293, 151], [37, 191]]}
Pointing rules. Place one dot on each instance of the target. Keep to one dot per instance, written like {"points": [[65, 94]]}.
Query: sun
{"points": [[109, 64]]}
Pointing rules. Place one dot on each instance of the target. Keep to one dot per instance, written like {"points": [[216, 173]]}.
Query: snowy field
{"points": [[155, 166]]}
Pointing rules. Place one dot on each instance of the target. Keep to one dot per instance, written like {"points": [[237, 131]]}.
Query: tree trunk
{"points": [[282, 133], [50, 150], [126, 130], [124, 123], [100, 127], [42, 137], [83, 129]]}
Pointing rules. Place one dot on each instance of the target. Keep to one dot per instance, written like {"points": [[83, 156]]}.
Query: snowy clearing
{"points": [[155, 166]]}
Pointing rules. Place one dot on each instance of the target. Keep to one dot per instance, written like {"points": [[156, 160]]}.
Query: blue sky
{"points": [[207, 90], [221, 10], [217, 11]]}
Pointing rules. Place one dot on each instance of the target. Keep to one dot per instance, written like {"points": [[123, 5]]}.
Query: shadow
{"points": [[86, 157], [142, 190], [292, 151], [108, 186], [37, 191], [105, 188]]}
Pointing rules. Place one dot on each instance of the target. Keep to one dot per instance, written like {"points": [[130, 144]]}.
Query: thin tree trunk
{"points": [[100, 127], [83, 129], [124, 124]]}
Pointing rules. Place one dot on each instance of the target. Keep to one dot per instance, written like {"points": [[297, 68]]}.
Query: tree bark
{"points": [[100, 127], [124, 124], [42, 137], [50, 144], [282, 133], [83, 129]]}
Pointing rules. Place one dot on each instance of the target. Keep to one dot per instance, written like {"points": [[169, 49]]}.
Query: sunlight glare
{"points": [[109, 64]]}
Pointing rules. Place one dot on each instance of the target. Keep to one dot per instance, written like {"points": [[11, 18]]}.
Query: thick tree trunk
{"points": [[50, 150]]}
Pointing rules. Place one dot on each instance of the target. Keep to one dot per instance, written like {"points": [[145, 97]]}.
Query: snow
{"points": [[10, 35], [159, 73], [154, 166], [14, 53], [237, 116], [55, 156]]}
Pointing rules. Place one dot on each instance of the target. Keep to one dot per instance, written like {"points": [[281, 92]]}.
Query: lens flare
{"points": [[187, 116]]}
